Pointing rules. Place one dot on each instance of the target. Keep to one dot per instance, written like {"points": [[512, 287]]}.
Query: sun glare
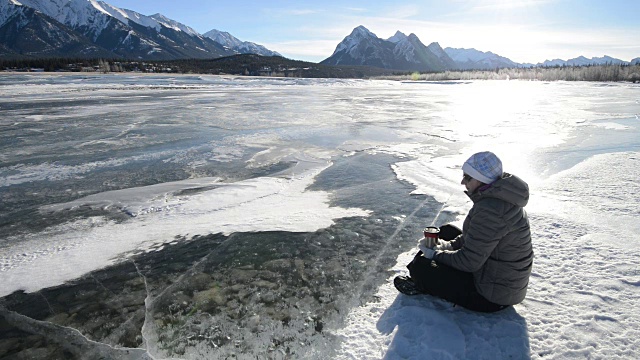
{"points": [[505, 110]]}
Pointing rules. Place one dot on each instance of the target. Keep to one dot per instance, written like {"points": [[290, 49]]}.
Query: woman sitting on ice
{"points": [[486, 265]]}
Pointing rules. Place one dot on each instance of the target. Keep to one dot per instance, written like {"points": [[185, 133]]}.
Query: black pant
{"points": [[446, 282]]}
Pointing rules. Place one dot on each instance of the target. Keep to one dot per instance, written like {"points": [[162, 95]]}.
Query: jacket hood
{"points": [[509, 188]]}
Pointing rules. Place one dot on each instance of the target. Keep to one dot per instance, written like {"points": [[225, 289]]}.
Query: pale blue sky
{"points": [[523, 31]]}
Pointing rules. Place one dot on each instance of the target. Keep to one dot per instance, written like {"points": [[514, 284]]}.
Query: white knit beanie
{"points": [[483, 166]]}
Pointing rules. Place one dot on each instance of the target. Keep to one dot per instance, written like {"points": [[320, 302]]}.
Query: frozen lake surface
{"points": [[206, 216]]}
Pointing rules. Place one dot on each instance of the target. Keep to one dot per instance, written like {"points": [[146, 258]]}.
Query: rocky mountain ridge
{"points": [[89, 28], [408, 53], [399, 52]]}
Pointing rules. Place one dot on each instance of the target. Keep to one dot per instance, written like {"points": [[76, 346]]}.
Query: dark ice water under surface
{"points": [[251, 293], [260, 294]]}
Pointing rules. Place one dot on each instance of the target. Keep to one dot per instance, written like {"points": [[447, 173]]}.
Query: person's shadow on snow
{"points": [[424, 327]]}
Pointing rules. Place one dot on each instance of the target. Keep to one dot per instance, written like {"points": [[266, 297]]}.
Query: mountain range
{"points": [[402, 52], [96, 29], [90, 28]]}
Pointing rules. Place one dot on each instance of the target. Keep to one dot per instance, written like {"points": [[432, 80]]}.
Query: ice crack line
{"points": [[151, 301], [47, 301], [101, 285], [368, 277], [147, 312], [71, 339], [181, 277], [402, 225]]}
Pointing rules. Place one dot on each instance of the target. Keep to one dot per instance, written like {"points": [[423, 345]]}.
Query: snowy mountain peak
{"points": [[122, 15], [156, 21], [397, 37], [223, 38], [438, 51], [97, 28], [400, 52], [8, 9], [170, 23], [234, 44], [362, 32], [74, 13], [476, 59], [608, 59], [358, 35], [582, 61], [96, 5]]}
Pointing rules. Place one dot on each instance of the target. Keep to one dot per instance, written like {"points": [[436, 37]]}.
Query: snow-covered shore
{"points": [[582, 297]]}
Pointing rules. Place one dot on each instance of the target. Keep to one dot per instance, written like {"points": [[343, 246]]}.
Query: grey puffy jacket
{"points": [[495, 244]]}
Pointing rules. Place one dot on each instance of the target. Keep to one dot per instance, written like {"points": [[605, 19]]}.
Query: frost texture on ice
{"points": [[201, 281]]}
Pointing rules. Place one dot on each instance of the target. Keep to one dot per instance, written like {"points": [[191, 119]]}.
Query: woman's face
{"points": [[470, 183]]}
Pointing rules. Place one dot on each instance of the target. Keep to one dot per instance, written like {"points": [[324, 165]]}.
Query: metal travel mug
{"points": [[431, 235]]}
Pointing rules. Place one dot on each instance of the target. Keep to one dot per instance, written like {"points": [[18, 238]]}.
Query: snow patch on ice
{"points": [[612, 126], [260, 204], [594, 193]]}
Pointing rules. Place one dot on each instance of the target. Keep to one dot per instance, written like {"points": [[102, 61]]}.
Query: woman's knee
{"points": [[449, 232]]}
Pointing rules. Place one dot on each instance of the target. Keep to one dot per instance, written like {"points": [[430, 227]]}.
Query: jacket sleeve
{"points": [[486, 228]]}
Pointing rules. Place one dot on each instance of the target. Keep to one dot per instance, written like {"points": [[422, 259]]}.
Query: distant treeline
{"points": [[255, 65], [610, 72], [245, 64]]}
